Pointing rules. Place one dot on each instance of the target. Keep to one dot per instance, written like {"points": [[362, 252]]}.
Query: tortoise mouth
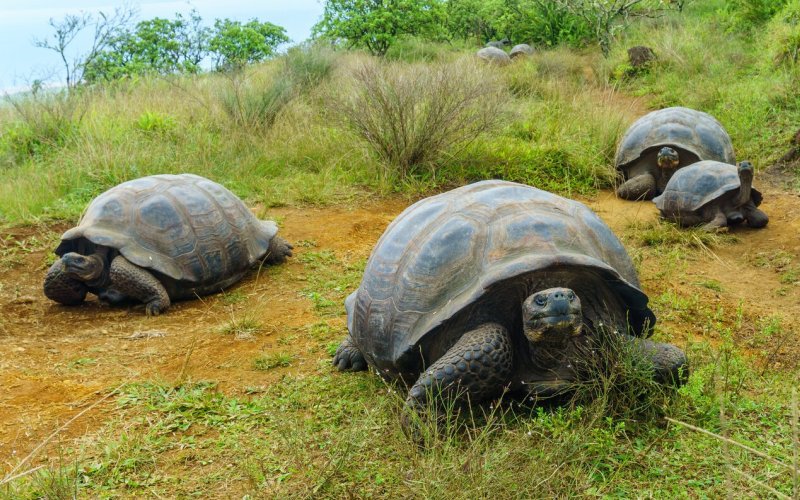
{"points": [[554, 328]]}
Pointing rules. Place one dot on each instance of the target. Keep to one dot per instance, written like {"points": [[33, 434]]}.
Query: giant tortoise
{"points": [[158, 239], [660, 142], [714, 194], [495, 285]]}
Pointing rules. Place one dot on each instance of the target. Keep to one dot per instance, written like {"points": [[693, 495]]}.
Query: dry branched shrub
{"points": [[413, 115]]}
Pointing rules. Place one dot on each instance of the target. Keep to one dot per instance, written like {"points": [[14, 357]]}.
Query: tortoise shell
{"points": [[494, 55], [694, 131], [183, 226], [693, 187], [439, 257], [523, 49]]}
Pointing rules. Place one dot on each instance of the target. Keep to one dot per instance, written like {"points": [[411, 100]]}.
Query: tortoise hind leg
{"points": [[348, 357], [279, 250], [718, 220], [476, 368], [669, 362], [133, 281], [640, 187]]}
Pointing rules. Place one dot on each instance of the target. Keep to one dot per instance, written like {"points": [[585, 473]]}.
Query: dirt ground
{"points": [[56, 361]]}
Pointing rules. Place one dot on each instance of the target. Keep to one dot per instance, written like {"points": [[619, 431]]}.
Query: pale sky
{"points": [[23, 20]]}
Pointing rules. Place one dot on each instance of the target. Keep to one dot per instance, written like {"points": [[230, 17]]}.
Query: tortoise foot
{"points": [[348, 357]]}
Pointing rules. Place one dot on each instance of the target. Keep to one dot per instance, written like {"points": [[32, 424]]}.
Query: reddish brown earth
{"points": [[56, 361]]}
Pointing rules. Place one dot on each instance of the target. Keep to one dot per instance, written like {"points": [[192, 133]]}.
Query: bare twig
{"points": [[730, 441], [49, 438], [182, 376], [758, 482]]}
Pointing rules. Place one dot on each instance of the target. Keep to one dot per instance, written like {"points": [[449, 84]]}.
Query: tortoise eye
{"points": [[570, 296], [540, 300]]}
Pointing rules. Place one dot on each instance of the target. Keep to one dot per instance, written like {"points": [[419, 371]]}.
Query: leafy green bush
{"points": [[157, 45], [783, 34], [414, 49], [542, 22], [233, 44], [748, 14], [153, 122], [376, 26]]}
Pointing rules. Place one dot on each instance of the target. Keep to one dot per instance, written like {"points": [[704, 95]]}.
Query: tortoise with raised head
{"points": [[714, 194], [495, 285], [661, 142], [158, 239]]}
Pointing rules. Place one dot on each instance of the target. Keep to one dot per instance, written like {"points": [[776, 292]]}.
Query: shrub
{"points": [[413, 115], [255, 105], [45, 121], [309, 65], [542, 22], [748, 14], [783, 35]]}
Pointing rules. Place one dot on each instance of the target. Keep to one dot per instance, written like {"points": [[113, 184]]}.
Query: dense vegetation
{"points": [[321, 125]]}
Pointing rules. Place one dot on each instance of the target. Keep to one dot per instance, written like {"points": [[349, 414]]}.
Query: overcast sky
{"points": [[21, 21]]}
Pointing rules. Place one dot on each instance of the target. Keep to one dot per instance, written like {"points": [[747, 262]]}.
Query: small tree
{"points": [[157, 45], [235, 44], [106, 28], [377, 24], [605, 18]]}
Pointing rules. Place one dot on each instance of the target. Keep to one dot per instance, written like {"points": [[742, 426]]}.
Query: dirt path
{"points": [[58, 360]]}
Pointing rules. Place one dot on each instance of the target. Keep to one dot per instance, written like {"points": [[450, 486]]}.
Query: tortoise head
{"points": [[86, 268], [745, 171], [552, 316], [667, 158]]}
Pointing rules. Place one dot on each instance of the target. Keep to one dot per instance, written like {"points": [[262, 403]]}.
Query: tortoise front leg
{"points": [[640, 187], [138, 283], [755, 217], [63, 289], [475, 369]]}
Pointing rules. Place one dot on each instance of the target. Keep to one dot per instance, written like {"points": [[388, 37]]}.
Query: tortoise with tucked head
{"points": [[158, 239], [493, 55], [520, 50], [495, 285], [714, 194], [661, 142]]}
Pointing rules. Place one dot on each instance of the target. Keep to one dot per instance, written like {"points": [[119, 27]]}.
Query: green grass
{"points": [[329, 279], [273, 360], [241, 327], [325, 434]]}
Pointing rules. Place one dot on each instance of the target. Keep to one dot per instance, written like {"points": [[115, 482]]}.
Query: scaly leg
{"points": [[348, 357], [640, 187], [476, 368], [138, 283]]}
